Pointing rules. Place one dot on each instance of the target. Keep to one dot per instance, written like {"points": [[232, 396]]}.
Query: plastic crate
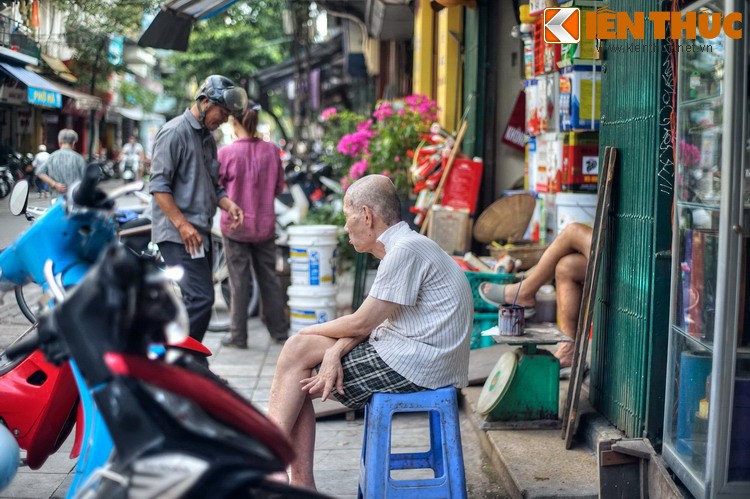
{"points": [[477, 278], [482, 322]]}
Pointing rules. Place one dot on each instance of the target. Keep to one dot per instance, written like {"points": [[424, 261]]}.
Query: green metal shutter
{"points": [[629, 348], [472, 81]]}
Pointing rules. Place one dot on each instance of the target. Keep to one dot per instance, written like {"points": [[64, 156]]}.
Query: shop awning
{"points": [[59, 67], [131, 113], [83, 102], [41, 91], [328, 52], [171, 27]]}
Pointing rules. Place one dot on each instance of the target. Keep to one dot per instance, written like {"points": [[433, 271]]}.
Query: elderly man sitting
{"points": [[410, 334]]}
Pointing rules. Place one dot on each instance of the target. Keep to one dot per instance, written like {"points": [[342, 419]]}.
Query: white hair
{"points": [[67, 136], [379, 194]]}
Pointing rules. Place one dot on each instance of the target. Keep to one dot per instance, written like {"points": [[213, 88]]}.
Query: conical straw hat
{"points": [[506, 219]]}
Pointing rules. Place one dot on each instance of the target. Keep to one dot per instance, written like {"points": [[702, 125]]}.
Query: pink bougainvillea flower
{"points": [[355, 144], [366, 127], [358, 169], [383, 113], [384, 110], [346, 182], [328, 113]]}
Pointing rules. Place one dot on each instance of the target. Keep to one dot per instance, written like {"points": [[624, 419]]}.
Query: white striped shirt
{"points": [[427, 340]]}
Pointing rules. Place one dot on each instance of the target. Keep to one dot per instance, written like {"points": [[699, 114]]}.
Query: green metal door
{"points": [[473, 81], [629, 348]]}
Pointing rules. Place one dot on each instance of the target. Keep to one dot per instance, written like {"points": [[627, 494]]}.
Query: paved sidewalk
{"points": [[250, 372]]}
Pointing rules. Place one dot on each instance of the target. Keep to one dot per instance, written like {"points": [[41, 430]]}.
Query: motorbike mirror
{"points": [[19, 197]]}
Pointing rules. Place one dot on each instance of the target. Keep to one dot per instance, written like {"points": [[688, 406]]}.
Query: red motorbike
{"points": [[39, 402]]}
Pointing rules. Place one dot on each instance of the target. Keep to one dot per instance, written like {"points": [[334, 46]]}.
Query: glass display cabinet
{"points": [[707, 416]]}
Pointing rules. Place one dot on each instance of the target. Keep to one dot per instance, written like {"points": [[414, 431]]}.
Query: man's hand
{"points": [[330, 375], [235, 212], [61, 188], [237, 216], [191, 237]]}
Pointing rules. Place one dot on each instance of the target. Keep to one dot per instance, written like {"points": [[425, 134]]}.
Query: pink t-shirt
{"points": [[251, 173]]}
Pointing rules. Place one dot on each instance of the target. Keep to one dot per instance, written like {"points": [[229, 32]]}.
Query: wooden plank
{"points": [[618, 480], [613, 458], [537, 333], [637, 447], [586, 312]]}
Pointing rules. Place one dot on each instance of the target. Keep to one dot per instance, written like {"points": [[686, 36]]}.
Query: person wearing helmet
{"points": [[185, 188]]}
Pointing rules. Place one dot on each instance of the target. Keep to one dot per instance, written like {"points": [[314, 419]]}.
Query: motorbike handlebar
{"points": [[21, 348], [86, 194]]}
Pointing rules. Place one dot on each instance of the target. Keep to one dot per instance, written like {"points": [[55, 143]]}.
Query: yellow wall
{"points": [[423, 48], [449, 68]]}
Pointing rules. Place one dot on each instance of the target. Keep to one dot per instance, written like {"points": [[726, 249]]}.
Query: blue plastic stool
{"points": [[445, 456]]}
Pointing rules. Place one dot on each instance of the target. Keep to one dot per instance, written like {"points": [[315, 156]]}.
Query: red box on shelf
{"points": [[546, 55], [461, 189], [580, 161]]}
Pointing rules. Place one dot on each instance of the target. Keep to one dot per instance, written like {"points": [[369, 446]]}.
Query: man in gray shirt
{"points": [[186, 192], [64, 166]]}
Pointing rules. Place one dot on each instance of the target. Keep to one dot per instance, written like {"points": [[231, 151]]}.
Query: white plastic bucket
{"points": [[312, 254], [573, 207], [310, 305]]}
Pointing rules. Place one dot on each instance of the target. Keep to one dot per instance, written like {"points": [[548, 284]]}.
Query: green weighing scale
{"points": [[523, 389]]}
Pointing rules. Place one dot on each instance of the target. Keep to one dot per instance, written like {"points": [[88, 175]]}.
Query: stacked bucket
{"points": [[312, 255]]}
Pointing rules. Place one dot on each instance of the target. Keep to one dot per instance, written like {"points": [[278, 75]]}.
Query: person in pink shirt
{"points": [[252, 174]]}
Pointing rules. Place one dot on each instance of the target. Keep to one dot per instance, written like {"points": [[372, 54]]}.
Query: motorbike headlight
{"points": [[177, 330]]}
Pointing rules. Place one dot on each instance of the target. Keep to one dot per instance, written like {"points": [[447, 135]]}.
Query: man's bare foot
{"points": [[566, 362], [564, 354]]}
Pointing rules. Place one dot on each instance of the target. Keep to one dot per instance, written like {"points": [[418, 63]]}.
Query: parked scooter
{"points": [[7, 181], [40, 402], [178, 430]]}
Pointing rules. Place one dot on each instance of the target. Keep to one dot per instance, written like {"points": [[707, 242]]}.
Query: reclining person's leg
{"points": [[569, 277], [575, 239]]}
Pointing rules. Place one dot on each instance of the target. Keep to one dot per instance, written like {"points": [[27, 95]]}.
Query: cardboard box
{"points": [[580, 97], [450, 229]]}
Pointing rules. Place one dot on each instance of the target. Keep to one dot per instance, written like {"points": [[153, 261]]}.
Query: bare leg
{"points": [[289, 407], [574, 239], [569, 277], [303, 437]]}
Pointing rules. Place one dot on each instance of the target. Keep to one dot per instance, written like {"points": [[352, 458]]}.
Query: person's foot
{"points": [[564, 354], [506, 293], [228, 341]]}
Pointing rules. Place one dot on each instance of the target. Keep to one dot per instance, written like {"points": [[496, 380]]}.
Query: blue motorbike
{"points": [[39, 401]]}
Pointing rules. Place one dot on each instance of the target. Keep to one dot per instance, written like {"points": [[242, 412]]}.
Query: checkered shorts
{"points": [[365, 373]]}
